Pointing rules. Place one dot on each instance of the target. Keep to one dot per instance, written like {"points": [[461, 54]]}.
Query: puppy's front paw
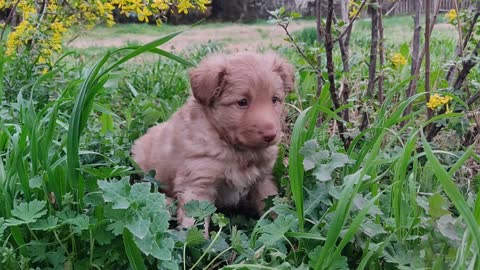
{"points": [[185, 222]]}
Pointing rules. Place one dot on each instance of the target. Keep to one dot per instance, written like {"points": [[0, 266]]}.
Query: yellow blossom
{"points": [[437, 100], [41, 36], [353, 8], [451, 15], [160, 4], [398, 60], [184, 6]]}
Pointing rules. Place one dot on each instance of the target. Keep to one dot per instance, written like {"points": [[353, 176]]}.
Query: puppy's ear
{"points": [[286, 72], [207, 79]]}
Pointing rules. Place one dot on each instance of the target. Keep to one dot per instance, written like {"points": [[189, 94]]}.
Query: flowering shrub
{"points": [[45, 23], [437, 100], [451, 15], [398, 60]]}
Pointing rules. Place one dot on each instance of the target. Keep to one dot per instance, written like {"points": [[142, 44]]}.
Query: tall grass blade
{"points": [[453, 193]]}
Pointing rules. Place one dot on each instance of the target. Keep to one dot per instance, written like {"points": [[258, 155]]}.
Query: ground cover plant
{"points": [[383, 193]]}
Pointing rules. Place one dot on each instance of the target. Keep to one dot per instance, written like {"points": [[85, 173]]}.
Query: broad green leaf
{"points": [[311, 154], [107, 123], [447, 227], [195, 237], [220, 219], [437, 206], [199, 209], [80, 223], [275, 231], [156, 245], [45, 224], [116, 192], [137, 225], [26, 213], [35, 182]]}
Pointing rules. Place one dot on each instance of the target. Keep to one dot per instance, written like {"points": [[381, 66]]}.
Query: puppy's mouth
{"points": [[247, 142]]}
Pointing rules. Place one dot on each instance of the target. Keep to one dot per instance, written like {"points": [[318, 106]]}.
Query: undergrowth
{"points": [[68, 198]]}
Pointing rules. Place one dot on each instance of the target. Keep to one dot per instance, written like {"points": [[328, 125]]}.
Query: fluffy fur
{"points": [[222, 144]]}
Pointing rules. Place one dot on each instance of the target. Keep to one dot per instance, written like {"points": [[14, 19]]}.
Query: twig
{"points": [[373, 48], [299, 50], [381, 51], [470, 31], [427, 55], [331, 70], [350, 24], [320, 37], [415, 67]]}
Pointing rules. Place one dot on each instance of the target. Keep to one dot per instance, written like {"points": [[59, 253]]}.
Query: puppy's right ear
{"points": [[207, 79]]}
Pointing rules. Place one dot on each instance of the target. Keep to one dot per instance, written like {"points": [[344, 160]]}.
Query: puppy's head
{"points": [[243, 96]]}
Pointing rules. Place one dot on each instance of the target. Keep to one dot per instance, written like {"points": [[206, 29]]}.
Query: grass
{"points": [[391, 200]]}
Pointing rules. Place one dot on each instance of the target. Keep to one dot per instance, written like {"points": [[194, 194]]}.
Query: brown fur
{"points": [[214, 148]]}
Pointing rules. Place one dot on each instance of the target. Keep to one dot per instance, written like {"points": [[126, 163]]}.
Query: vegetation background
{"points": [[379, 168]]}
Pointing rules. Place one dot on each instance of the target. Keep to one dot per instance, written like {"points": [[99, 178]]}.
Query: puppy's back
{"points": [[143, 146]]}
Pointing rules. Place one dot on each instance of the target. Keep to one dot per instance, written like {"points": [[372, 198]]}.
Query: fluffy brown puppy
{"points": [[222, 144]]}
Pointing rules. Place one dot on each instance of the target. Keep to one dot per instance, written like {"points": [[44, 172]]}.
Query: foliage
{"points": [[392, 200], [44, 24]]}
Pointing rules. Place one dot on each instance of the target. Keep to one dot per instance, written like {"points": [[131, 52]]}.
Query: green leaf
{"points": [[372, 229], [220, 219], [3, 227], [195, 237], [437, 206], [156, 245], [312, 156], [275, 232], [26, 213], [116, 192], [45, 224], [35, 182], [199, 209], [447, 227], [80, 223], [107, 123], [133, 254], [137, 225]]}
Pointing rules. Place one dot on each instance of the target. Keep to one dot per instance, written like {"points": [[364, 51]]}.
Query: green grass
{"points": [[391, 200]]}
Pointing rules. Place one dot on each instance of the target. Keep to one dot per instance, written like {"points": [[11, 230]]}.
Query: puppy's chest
{"points": [[237, 181]]}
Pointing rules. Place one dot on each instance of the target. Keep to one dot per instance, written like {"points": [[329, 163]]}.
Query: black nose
{"points": [[269, 138]]}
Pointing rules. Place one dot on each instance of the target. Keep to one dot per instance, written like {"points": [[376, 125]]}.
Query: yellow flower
{"points": [[184, 5], [436, 101], [398, 60], [160, 4], [354, 8], [2, 4], [451, 15], [202, 4], [143, 14]]}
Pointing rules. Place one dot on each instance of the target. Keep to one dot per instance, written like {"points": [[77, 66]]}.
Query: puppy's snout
{"points": [[269, 138], [269, 134]]}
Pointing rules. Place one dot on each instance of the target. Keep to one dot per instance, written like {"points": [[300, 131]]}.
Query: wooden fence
{"points": [[407, 6]]}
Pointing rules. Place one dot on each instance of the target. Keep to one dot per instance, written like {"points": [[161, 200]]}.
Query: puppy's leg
{"points": [[200, 190], [259, 192]]}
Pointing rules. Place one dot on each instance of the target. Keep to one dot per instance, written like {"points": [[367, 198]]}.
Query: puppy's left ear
{"points": [[207, 79], [285, 71]]}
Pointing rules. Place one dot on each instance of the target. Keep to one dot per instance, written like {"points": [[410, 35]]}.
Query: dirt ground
{"points": [[234, 37]]}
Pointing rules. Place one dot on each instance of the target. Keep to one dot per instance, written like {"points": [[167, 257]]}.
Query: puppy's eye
{"points": [[275, 100], [242, 102]]}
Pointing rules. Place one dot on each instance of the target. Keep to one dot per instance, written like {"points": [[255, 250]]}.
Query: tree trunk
{"points": [[415, 68]]}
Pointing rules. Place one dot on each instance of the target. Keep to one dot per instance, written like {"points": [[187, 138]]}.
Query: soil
{"points": [[235, 37]]}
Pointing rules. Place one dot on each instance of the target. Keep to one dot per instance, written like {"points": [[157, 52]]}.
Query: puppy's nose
{"points": [[269, 136]]}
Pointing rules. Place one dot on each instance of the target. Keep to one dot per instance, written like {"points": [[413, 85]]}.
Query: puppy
{"points": [[222, 144]]}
